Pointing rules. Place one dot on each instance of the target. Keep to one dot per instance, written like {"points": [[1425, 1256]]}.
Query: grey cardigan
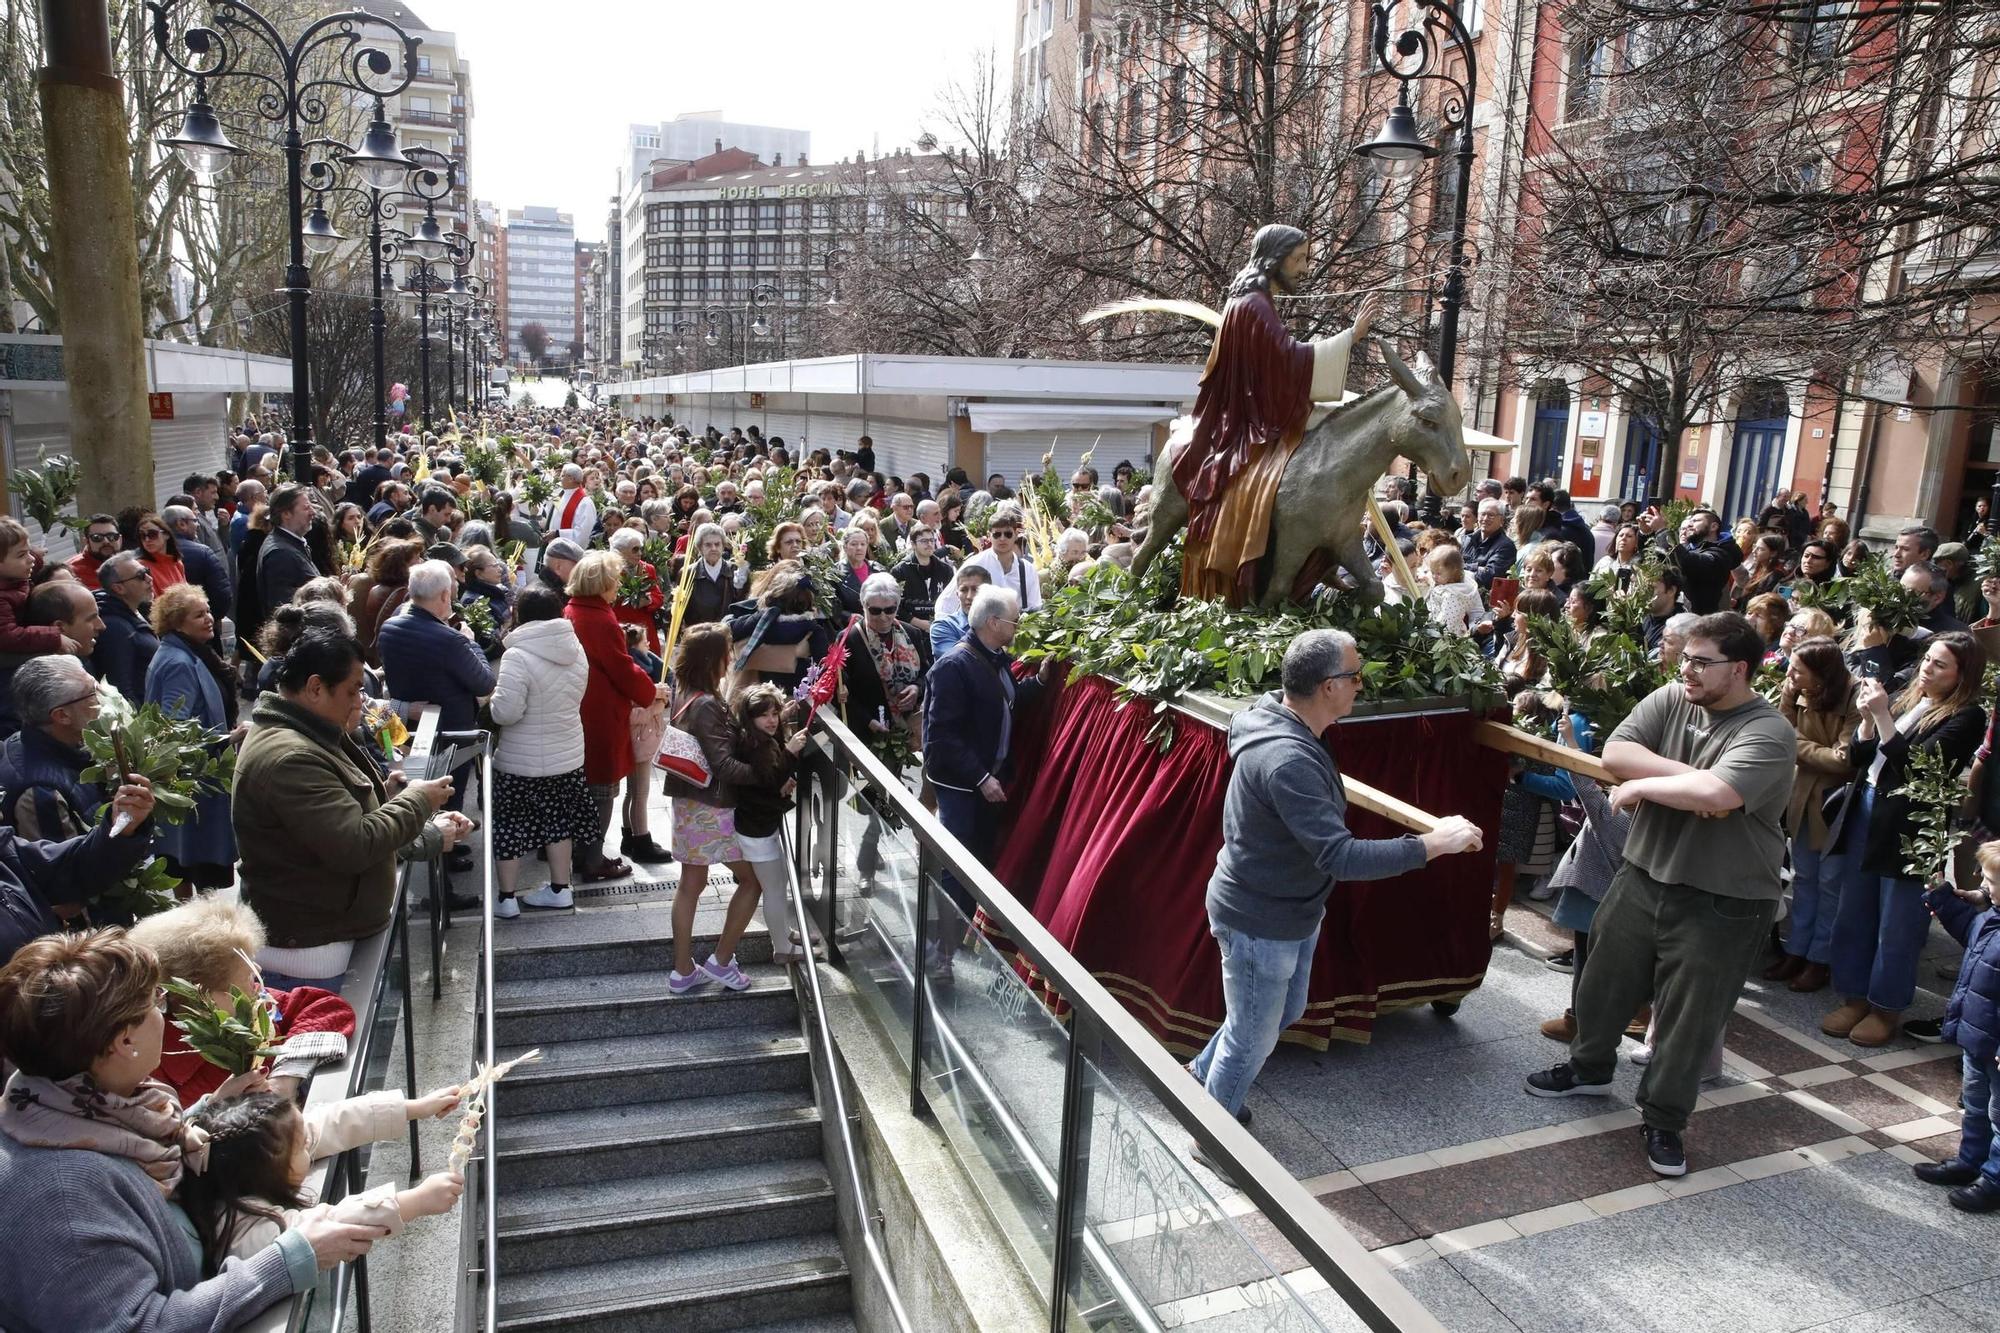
{"points": [[1599, 848], [98, 1247]]}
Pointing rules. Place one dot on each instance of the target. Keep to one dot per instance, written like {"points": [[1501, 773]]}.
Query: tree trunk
{"points": [[96, 257]]}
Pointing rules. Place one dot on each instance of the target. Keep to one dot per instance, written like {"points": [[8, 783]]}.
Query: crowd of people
{"points": [[603, 593], [1787, 722], [584, 596]]}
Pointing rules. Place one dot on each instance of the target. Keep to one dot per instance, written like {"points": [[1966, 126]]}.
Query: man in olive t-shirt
{"points": [[1706, 767]]}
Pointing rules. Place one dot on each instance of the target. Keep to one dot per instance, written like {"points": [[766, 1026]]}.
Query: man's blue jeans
{"points": [[1977, 1144], [1264, 992]]}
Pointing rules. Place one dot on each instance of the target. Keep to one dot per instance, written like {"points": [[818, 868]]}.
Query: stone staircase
{"points": [[660, 1167]]}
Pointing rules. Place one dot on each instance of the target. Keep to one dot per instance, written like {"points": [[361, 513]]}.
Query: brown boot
{"points": [[1636, 1029], [1811, 977], [1788, 966], [1878, 1029], [1842, 1020], [1561, 1029]]}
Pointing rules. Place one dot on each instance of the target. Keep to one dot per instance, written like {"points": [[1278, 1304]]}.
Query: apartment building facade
{"points": [[434, 112], [541, 280], [724, 256], [1908, 436]]}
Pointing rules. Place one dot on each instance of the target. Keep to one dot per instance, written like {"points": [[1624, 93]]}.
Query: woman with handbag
{"points": [[616, 687], [1882, 922], [1818, 700], [699, 753]]}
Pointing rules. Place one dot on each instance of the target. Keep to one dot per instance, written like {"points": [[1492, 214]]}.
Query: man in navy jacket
{"points": [[44, 884], [425, 660], [968, 727]]}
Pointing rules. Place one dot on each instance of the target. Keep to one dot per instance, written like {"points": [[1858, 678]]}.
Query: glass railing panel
{"points": [[1158, 1238], [993, 1074], [875, 905]]}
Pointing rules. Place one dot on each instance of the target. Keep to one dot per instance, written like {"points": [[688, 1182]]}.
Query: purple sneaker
{"points": [[681, 985], [728, 974]]}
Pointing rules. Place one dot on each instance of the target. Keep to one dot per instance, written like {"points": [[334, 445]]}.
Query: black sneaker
{"points": [[1561, 962], [1562, 1081], [1930, 1031], [1664, 1152]]}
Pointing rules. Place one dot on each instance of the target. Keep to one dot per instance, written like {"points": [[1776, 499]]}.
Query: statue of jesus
{"points": [[1250, 412]]}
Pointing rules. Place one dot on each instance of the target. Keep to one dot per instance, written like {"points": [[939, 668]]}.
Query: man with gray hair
{"points": [[574, 517], [204, 568], [971, 696], [42, 791], [1285, 845]]}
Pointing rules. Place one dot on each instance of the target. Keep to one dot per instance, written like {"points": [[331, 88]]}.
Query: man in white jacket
{"points": [[575, 515]]}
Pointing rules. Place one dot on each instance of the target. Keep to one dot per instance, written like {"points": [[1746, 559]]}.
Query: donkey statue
{"points": [[1323, 496]]}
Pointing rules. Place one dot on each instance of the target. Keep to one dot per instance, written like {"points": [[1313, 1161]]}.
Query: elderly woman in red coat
{"points": [[617, 686], [627, 543]]}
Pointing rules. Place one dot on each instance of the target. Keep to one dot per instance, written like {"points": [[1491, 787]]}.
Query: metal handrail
{"points": [[877, 1260], [1361, 1281], [491, 1156]]}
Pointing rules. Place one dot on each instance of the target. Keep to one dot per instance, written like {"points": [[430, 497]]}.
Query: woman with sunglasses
{"points": [[148, 534]]}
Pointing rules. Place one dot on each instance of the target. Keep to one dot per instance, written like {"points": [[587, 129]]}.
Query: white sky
{"points": [[555, 85]]}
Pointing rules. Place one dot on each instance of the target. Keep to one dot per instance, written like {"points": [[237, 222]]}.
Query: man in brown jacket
{"points": [[317, 827]]}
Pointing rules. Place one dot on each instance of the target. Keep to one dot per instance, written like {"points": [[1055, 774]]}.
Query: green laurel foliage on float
{"points": [[1153, 645]]}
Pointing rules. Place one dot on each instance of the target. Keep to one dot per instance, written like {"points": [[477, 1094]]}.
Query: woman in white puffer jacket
{"points": [[540, 798]]}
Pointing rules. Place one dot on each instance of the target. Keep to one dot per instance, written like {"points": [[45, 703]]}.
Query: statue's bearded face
{"points": [[1291, 270]]}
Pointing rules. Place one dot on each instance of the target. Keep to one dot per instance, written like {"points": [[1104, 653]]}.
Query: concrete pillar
{"points": [[95, 249]]}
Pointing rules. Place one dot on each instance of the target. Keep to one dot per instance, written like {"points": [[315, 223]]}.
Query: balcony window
{"points": [[1589, 66]]}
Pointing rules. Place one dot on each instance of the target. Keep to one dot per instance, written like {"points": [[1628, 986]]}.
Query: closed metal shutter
{"points": [[1017, 453], [903, 447], [787, 426], [194, 441]]}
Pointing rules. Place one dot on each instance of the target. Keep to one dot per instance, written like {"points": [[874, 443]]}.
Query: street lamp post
{"points": [[750, 319], [429, 248], [325, 179], [1416, 55], [331, 56]]}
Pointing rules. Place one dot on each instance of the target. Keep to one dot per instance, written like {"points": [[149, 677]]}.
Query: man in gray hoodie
{"points": [[1285, 845]]}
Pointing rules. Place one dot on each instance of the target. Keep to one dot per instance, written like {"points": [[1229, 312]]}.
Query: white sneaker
{"points": [[506, 909], [549, 897], [1642, 1056]]}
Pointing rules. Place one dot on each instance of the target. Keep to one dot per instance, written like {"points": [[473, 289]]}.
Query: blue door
{"points": [[1545, 447], [1757, 450], [1642, 460]]}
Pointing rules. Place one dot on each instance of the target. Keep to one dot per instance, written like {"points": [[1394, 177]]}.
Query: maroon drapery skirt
{"points": [[1111, 843]]}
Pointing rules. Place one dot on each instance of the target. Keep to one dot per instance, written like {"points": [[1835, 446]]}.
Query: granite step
{"points": [[632, 1217], [600, 1143], [723, 1287], [537, 1011], [658, 1067], [633, 939]]}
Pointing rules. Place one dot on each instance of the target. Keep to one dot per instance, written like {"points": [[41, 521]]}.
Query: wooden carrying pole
{"points": [[1364, 797], [1512, 740]]}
